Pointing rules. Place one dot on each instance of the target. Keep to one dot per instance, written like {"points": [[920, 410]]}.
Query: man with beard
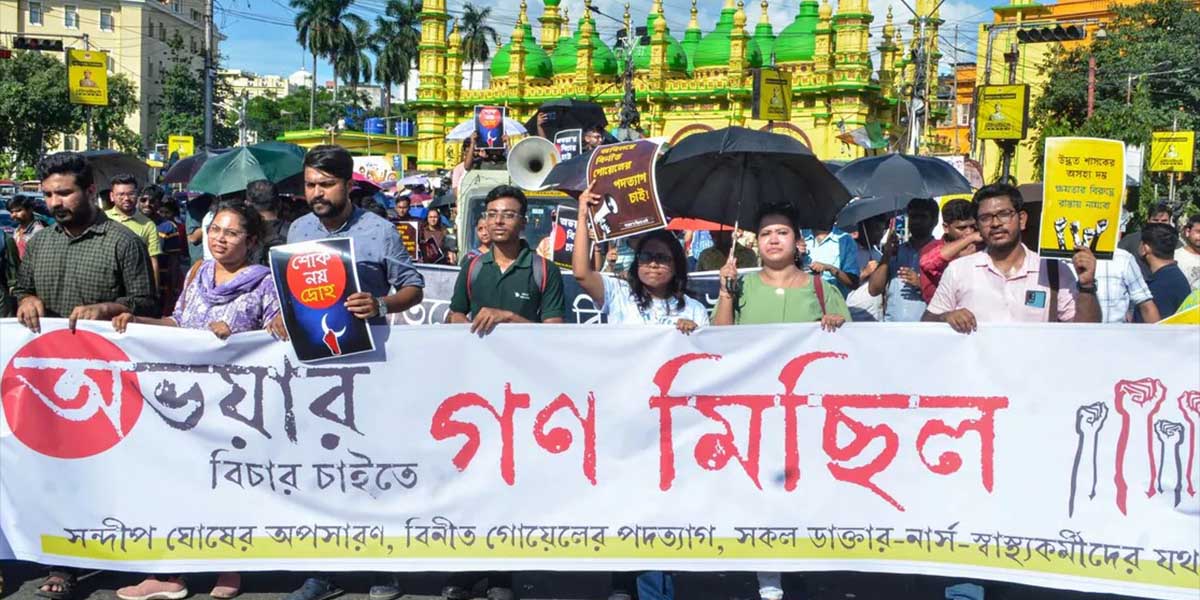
{"points": [[1007, 282], [898, 278], [86, 266], [124, 195], [388, 283]]}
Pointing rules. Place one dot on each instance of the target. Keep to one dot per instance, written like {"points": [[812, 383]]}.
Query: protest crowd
{"points": [[153, 256]]}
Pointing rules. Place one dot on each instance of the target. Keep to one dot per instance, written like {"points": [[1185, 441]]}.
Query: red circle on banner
{"points": [[316, 279], [489, 117], [70, 395], [560, 238]]}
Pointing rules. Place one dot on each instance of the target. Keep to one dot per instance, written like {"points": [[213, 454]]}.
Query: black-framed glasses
{"points": [[647, 258]]}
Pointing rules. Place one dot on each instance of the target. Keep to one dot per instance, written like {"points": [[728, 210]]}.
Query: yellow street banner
{"points": [[181, 146], [87, 77], [1085, 183], [1002, 112], [772, 95], [1172, 151]]}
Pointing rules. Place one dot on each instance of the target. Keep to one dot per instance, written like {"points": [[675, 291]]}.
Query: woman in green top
{"points": [[780, 292]]}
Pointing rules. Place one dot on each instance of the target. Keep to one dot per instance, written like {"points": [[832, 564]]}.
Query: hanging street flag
{"points": [[870, 136], [1172, 151]]}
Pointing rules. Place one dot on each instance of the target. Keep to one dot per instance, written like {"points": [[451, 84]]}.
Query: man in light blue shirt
{"points": [[834, 255], [898, 277]]}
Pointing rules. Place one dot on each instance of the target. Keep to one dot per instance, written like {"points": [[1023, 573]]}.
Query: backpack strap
{"points": [[539, 275], [187, 283], [819, 289], [1052, 277], [473, 269]]}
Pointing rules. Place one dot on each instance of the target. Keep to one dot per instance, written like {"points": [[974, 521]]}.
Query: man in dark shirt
{"points": [[509, 284], [1167, 283], [262, 196], [86, 266], [1132, 243]]}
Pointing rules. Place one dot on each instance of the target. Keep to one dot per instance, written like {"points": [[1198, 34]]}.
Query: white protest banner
{"points": [[996, 455]]}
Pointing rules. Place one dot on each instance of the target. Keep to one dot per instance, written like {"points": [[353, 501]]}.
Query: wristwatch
{"points": [[381, 307], [1086, 289]]}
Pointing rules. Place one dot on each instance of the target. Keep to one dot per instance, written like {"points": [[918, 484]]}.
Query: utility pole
{"points": [[243, 126], [90, 122], [954, 92], [916, 105], [1091, 84], [1009, 147], [1171, 184], [208, 74]]}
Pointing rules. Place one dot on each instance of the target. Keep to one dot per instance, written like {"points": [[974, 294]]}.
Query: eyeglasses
{"points": [[1001, 217], [647, 258], [225, 234], [502, 215]]}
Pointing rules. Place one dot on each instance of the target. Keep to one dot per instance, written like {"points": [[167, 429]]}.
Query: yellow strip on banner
{"points": [[1117, 569]]}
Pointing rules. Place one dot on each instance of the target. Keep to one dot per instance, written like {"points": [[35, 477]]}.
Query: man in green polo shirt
{"points": [[124, 194], [510, 284]]}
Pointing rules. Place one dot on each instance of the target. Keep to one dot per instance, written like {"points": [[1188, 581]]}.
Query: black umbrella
{"points": [[834, 165], [726, 175], [184, 169], [568, 114], [891, 181], [445, 199], [108, 163], [569, 175]]}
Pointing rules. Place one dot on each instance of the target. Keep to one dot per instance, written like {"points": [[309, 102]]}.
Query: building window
{"points": [[195, 15], [150, 29], [70, 17], [35, 13], [106, 19], [964, 114], [69, 143], [193, 44], [162, 32]]}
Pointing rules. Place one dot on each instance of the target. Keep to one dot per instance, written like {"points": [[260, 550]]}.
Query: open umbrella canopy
{"points": [[567, 113], [726, 175], [463, 130], [902, 177], [183, 170], [569, 175], [887, 183], [232, 171], [107, 164]]}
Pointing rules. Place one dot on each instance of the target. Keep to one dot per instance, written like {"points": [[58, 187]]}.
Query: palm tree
{"points": [[396, 45], [344, 24], [476, 35], [314, 33], [354, 62]]}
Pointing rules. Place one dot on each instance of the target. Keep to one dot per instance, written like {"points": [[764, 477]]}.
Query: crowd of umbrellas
{"points": [[708, 180]]}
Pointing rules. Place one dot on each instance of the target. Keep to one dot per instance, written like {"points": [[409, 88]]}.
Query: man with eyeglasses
{"points": [[124, 196], [511, 283], [1007, 282]]}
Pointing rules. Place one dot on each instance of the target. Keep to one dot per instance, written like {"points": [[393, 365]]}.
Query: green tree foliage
{"points": [[35, 107], [108, 122], [354, 62], [396, 42], [1150, 37], [181, 103]]}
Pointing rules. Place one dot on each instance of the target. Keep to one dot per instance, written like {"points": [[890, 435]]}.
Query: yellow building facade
{"points": [[699, 82], [999, 38], [135, 33]]}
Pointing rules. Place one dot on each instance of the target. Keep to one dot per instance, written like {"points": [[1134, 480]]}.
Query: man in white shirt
{"points": [[1188, 256], [1120, 287]]}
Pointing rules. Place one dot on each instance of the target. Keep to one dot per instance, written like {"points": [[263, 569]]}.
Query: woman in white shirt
{"points": [[653, 291]]}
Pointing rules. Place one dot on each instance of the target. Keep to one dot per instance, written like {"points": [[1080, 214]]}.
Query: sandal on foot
{"points": [[64, 581]]}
